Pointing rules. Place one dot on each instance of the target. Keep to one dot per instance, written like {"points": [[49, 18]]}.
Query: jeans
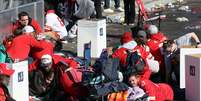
{"points": [[107, 4]]}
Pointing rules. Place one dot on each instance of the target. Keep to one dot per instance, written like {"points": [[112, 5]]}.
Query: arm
{"points": [[195, 37], [36, 26]]}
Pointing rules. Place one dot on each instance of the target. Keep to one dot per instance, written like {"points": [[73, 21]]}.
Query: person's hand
{"points": [[199, 45]]}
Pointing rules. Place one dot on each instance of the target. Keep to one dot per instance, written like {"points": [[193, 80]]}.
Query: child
{"points": [[156, 92]]}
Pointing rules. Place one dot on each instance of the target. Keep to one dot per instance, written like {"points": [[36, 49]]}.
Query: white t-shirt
{"points": [[56, 24]]}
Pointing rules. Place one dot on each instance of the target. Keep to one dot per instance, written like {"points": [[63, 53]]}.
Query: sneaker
{"points": [[71, 35], [64, 42], [108, 10], [119, 9]]}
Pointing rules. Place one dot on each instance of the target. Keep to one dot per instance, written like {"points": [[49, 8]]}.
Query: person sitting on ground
{"points": [[156, 92], [24, 20], [5, 74], [43, 81], [171, 50]]}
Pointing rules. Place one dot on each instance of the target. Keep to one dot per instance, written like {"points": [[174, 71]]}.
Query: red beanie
{"points": [[127, 37]]}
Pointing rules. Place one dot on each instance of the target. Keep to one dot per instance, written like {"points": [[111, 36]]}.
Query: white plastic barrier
{"points": [[19, 86], [183, 52], [93, 31], [192, 67]]}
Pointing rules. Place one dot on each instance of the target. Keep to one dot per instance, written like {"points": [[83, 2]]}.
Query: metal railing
{"points": [[9, 16]]}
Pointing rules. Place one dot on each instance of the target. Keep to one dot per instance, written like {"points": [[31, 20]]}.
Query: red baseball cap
{"points": [[5, 70], [126, 37]]}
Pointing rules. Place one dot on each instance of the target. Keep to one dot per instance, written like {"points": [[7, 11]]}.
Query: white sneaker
{"points": [[108, 10], [64, 42], [71, 35], [119, 9]]}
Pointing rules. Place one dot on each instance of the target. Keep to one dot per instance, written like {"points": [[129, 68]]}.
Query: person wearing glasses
{"points": [[24, 19]]}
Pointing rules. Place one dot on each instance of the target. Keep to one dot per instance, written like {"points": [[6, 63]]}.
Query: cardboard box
{"points": [[19, 84], [183, 53], [93, 31], [193, 77]]}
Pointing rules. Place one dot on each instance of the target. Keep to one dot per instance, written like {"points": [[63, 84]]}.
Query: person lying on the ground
{"points": [[5, 74], [156, 92]]}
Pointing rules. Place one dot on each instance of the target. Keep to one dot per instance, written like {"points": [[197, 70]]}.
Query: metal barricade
{"points": [[9, 16]]}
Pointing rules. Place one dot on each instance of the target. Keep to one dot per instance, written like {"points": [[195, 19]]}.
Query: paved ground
{"points": [[169, 26]]}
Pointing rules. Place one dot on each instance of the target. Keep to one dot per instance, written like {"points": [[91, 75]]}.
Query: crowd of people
{"points": [[125, 74]]}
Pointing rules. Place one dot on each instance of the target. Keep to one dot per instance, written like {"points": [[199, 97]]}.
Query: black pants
{"points": [[129, 7], [97, 4], [107, 4]]}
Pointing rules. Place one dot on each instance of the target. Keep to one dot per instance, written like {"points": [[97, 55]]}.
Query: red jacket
{"points": [[161, 91], [48, 48], [21, 46], [56, 59], [32, 22], [2, 95], [155, 46], [122, 55], [159, 37]]}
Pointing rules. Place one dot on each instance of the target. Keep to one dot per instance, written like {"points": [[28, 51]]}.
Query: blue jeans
{"points": [[107, 4]]}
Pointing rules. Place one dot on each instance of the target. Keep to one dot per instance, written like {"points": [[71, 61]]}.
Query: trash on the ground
{"points": [[115, 19], [184, 8], [193, 27], [156, 17], [170, 5], [182, 19], [180, 1]]}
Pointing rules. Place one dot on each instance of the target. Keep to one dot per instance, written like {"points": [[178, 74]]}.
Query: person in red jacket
{"points": [[24, 20], [156, 92], [129, 44], [21, 45], [155, 41], [5, 74], [47, 44]]}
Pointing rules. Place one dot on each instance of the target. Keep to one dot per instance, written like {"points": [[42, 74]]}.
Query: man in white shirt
{"points": [[56, 25]]}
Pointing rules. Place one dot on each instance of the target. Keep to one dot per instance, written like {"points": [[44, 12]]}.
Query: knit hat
{"points": [[142, 33], [127, 36], [152, 29], [28, 29], [46, 59], [5, 70]]}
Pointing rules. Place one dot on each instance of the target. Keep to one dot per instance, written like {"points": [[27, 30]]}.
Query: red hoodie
{"points": [[160, 91]]}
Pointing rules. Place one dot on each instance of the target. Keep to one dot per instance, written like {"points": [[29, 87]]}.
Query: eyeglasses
{"points": [[24, 19]]}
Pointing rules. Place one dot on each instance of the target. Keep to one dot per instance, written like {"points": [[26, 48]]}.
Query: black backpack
{"points": [[134, 63]]}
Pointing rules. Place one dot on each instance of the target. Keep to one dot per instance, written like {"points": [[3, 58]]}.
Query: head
{"points": [[126, 37], [23, 18], [28, 30], [134, 79], [5, 74], [141, 37], [46, 62], [169, 46], [152, 29]]}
